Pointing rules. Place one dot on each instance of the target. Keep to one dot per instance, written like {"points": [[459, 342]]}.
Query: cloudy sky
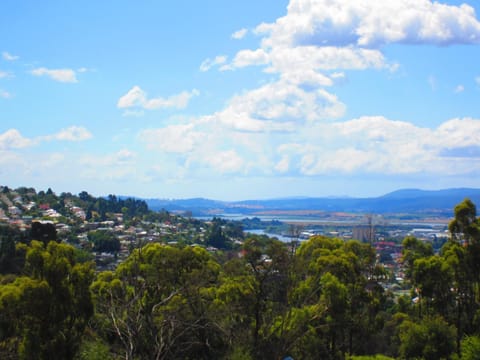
{"points": [[239, 100]]}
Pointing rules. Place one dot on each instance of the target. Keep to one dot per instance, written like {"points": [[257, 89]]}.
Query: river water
{"points": [[262, 232]]}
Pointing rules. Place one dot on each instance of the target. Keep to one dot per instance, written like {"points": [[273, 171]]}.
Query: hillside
{"points": [[412, 201]]}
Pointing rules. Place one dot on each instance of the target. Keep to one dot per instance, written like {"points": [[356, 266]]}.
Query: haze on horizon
{"points": [[243, 100]]}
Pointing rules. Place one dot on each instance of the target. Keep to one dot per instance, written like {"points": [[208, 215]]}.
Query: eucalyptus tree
{"points": [[157, 304], [45, 310]]}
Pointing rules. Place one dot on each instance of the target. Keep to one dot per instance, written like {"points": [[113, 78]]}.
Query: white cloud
{"points": [[209, 63], [310, 48], [72, 133], [291, 124], [12, 139], [283, 165], [372, 23], [381, 146], [9, 57], [457, 133], [239, 34], [136, 97], [52, 160], [119, 166], [117, 159], [284, 59], [477, 80], [277, 106], [9, 159], [250, 57], [311, 78], [338, 75], [377, 128], [309, 65], [60, 75], [326, 58], [366, 145], [172, 139], [243, 122], [226, 161], [336, 34], [458, 89], [206, 143], [125, 155]]}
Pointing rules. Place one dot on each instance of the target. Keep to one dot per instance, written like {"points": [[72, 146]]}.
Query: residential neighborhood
{"points": [[21, 208]]}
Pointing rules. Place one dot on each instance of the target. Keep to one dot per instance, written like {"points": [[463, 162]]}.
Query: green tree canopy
{"points": [[47, 309]]}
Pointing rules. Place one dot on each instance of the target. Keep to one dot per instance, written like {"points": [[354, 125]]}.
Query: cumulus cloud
{"points": [[248, 58], [311, 46], [248, 122], [9, 57], [380, 145], [365, 145], [327, 35], [459, 89], [207, 64], [12, 139], [137, 98], [228, 161], [327, 58], [338, 75], [458, 132], [60, 75], [277, 106], [310, 59], [377, 128], [239, 34], [199, 148], [293, 123], [372, 23], [72, 133]]}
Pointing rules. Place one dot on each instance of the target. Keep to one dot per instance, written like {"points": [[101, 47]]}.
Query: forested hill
{"points": [[439, 202]]}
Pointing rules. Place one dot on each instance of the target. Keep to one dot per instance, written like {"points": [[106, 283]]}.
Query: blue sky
{"points": [[239, 100]]}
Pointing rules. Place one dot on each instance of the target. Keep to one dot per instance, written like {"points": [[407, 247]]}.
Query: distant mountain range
{"points": [[410, 201]]}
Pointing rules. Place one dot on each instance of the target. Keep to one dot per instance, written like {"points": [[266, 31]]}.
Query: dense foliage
{"points": [[45, 309], [263, 299]]}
